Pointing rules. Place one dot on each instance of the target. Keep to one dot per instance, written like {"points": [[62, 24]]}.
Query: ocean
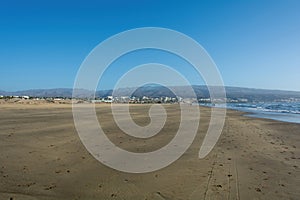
{"points": [[280, 111]]}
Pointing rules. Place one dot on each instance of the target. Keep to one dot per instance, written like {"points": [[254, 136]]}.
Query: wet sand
{"points": [[42, 157]]}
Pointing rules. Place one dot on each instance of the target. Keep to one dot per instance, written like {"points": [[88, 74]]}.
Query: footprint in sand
{"points": [[50, 187], [27, 184], [113, 195], [258, 189]]}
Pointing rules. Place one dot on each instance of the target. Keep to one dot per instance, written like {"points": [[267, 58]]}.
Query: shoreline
{"points": [[272, 115], [277, 116]]}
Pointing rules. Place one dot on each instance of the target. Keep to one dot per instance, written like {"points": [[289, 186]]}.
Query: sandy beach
{"points": [[42, 157]]}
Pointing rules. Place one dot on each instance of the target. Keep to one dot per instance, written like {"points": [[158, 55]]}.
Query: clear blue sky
{"points": [[254, 43]]}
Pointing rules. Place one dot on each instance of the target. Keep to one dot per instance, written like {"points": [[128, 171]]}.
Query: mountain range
{"points": [[160, 91]]}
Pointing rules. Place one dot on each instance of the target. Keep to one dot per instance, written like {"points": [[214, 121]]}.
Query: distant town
{"points": [[127, 99]]}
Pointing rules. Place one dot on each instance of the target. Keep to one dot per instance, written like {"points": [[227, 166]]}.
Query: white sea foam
{"points": [[282, 111]]}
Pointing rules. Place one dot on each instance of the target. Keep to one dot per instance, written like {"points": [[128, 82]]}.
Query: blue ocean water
{"points": [[281, 111]]}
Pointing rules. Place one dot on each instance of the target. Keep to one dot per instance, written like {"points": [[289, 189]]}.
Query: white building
{"points": [[25, 97]]}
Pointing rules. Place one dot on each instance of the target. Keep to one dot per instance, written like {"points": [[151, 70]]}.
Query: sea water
{"points": [[281, 111]]}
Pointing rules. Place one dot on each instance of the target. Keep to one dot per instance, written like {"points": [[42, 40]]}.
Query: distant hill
{"points": [[231, 92], [160, 91], [58, 92], [260, 94]]}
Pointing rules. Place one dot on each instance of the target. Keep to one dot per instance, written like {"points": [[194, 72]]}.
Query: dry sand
{"points": [[42, 158]]}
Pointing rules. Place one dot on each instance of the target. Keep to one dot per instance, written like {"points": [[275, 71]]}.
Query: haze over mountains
{"points": [[160, 91]]}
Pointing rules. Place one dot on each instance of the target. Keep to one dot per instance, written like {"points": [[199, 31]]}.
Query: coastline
{"points": [[273, 115]]}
